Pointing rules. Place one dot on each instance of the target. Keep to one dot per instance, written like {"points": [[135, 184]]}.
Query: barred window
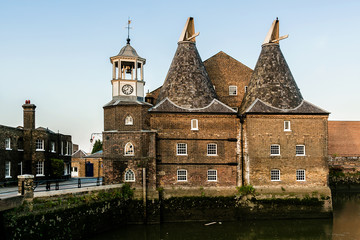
{"points": [[40, 169], [182, 175], [232, 90], [275, 150], [181, 149], [275, 175], [39, 145], [129, 176], [300, 175], [129, 149], [212, 175], [300, 150], [212, 149], [129, 120]]}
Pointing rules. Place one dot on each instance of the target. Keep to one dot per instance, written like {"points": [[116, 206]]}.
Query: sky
{"points": [[56, 53]]}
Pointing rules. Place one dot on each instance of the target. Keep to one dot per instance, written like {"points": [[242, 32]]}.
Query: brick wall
{"points": [[264, 130]]}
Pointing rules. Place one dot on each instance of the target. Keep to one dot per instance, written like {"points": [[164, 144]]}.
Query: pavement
{"points": [[72, 183]]}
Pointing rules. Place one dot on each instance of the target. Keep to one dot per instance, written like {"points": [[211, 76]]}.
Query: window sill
{"points": [[300, 155], [182, 180], [276, 180], [194, 129], [275, 155], [212, 180], [181, 154], [40, 150], [8, 149], [8, 177], [40, 175], [20, 150], [212, 155], [53, 151], [130, 181], [287, 130], [301, 180]]}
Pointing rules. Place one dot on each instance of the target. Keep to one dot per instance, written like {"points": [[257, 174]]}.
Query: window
{"points": [[7, 144], [181, 149], [182, 175], [40, 169], [20, 168], [53, 147], [129, 149], [246, 87], [212, 175], [62, 148], [275, 175], [67, 148], [287, 126], [194, 124], [39, 145], [300, 175], [20, 144], [129, 120], [232, 90], [129, 176], [7, 169], [212, 149], [300, 150], [274, 150], [235, 108]]}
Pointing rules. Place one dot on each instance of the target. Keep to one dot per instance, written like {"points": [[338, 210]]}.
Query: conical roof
{"points": [[187, 83]]}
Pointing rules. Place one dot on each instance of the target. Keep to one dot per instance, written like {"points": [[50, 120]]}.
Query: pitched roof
{"points": [[187, 83], [344, 138], [98, 154], [79, 154]]}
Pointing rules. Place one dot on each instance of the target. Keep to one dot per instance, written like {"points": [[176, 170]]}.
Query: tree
{"points": [[57, 166], [97, 146]]}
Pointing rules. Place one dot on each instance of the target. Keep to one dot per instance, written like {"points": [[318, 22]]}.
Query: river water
{"points": [[345, 225]]}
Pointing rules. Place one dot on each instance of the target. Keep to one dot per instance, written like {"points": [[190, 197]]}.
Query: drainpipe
{"points": [[144, 192], [242, 119]]}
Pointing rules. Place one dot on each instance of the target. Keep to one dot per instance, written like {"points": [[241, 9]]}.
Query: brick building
{"points": [[213, 125], [28, 150]]}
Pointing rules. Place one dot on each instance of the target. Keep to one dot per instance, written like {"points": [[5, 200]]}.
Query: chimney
{"points": [[29, 115]]}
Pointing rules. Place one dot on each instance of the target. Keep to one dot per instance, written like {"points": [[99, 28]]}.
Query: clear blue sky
{"points": [[56, 53]]}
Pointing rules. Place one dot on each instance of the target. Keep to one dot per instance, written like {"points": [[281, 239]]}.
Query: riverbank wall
{"points": [[84, 214]]}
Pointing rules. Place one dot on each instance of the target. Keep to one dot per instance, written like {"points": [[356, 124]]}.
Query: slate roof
{"points": [[128, 51], [98, 154], [79, 154], [121, 102], [344, 138], [187, 83], [167, 106]]}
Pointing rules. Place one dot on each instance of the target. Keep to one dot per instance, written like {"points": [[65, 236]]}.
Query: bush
{"points": [[57, 166], [245, 190]]}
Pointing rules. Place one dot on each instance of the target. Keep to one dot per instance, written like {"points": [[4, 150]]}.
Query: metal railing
{"points": [[60, 184], [8, 188]]}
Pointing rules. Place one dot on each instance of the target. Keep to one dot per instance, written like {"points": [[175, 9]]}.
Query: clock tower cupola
{"points": [[128, 74]]}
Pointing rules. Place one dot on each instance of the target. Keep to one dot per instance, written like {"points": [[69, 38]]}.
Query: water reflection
{"points": [[344, 225]]}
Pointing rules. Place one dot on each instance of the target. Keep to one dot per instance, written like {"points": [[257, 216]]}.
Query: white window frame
{"points": [[300, 175], [39, 145], [7, 169], [275, 175], [129, 120], [8, 143], [181, 147], [210, 150], [52, 145], [128, 152], [194, 124], [62, 148], [273, 149], [40, 168], [288, 127], [181, 175], [300, 152], [21, 168], [212, 175], [129, 176], [245, 88], [233, 90]]}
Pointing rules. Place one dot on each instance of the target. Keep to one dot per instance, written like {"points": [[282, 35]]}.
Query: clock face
{"points": [[127, 89]]}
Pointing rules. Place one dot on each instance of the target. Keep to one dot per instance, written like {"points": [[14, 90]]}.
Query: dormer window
{"points": [[232, 90], [194, 124], [129, 120], [287, 127]]}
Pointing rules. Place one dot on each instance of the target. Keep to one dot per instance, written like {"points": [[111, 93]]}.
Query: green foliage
{"points": [[245, 190], [127, 192], [97, 146], [283, 189], [57, 166], [307, 201]]}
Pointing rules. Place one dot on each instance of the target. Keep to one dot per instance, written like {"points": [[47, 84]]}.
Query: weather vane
{"points": [[128, 28]]}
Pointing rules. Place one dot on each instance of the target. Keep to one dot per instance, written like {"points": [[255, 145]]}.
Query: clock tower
{"points": [[128, 74]]}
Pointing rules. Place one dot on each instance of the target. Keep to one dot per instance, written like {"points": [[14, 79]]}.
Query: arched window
{"points": [[129, 176], [129, 149], [129, 120]]}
